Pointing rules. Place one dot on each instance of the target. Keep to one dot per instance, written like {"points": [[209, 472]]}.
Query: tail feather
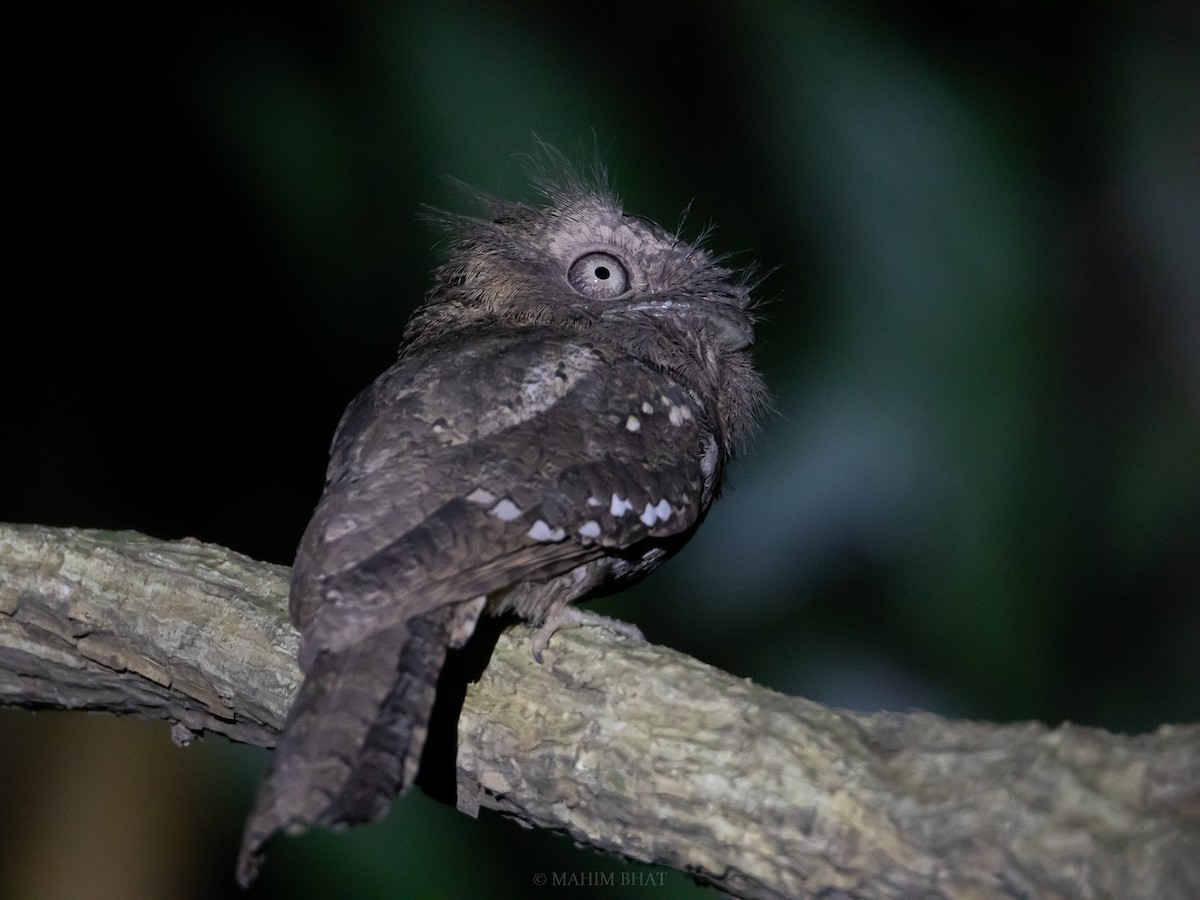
{"points": [[354, 735]]}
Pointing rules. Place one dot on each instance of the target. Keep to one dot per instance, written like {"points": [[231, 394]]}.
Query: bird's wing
{"points": [[513, 459], [458, 474]]}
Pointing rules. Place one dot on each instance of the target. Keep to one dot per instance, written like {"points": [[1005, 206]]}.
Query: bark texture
{"points": [[633, 748]]}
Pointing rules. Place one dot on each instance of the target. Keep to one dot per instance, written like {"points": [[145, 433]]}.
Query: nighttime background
{"points": [[978, 494]]}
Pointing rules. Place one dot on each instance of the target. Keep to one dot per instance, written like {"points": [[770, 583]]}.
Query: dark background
{"points": [[979, 492]]}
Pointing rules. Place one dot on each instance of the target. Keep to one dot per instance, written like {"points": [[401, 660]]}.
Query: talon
{"points": [[539, 644]]}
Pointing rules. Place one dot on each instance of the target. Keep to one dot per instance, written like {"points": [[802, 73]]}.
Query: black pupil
{"points": [[601, 272]]}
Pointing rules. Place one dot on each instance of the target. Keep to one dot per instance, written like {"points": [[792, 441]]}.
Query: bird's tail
{"points": [[354, 735]]}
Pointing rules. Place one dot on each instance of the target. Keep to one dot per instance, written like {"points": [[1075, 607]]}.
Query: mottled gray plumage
{"points": [[559, 420]]}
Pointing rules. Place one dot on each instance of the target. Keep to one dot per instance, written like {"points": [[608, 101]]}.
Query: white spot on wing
{"points": [[632, 423], [543, 532], [649, 516], [340, 526], [590, 529], [647, 408], [708, 462], [619, 506], [663, 510], [482, 497], [505, 510], [594, 501], [680, 414]]}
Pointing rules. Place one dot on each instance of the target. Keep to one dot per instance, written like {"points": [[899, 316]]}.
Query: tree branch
{"points": [[633, 748]]}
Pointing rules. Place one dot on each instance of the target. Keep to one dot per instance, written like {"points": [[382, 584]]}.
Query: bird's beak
{"points": [[728, 324]]}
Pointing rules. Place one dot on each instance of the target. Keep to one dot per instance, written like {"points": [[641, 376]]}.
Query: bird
{"points": [[560, 418]]}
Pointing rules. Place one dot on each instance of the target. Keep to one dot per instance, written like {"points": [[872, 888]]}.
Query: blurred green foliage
{"points": [[979, 491]]}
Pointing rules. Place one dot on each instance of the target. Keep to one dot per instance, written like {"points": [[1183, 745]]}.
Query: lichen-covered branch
{"points": [[119, 621], [634, 748], [656, 756]]}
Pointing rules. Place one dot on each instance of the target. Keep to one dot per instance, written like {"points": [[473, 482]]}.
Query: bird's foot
{"points": [[568, 616]]}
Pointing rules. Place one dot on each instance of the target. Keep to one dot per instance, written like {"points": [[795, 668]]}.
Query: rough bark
{"points": [[634, 748]]}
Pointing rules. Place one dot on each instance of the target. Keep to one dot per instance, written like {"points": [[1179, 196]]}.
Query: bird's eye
{"points": [[600, 276]]}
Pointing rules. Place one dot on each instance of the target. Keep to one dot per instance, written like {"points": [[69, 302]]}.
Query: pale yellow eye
{"points": [[600, 276]]}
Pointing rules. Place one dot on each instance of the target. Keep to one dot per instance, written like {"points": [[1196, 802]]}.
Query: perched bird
{"points": [[558, 423]]}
